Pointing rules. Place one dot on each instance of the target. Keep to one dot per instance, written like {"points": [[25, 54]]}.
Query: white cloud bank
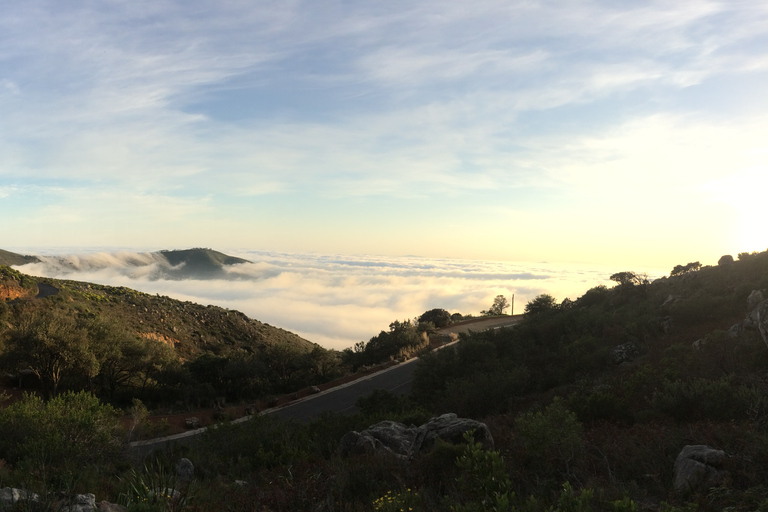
{"points": [[337, 300]]}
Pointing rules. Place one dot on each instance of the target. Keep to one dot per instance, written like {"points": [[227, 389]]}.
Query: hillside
{"points": [[198, 263], [11, 258], [641, 396], [136, 345]]}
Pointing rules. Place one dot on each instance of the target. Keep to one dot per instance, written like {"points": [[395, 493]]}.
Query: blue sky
{"points": [[628, 133]]}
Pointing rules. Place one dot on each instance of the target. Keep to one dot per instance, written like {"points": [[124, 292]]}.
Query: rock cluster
{"points": [[405, 442], [698, 468], [756, 320], [624, 353], [16, 499]]}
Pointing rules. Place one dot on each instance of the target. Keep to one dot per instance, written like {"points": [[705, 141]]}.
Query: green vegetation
{"points": [[500, 303], [403, 340], [122, 344], [576, 426]]}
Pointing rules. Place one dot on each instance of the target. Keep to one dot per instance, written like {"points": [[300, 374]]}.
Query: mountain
{"points": [[195, 263], [199, 263], [11, 258]]}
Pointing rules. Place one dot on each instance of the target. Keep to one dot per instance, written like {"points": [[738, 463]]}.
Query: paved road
{"points": [[396, 380]]}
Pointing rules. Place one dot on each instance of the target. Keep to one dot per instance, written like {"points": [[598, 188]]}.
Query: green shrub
{"points": [[485, 392], [70, 428], [697, 399], [552, 439], [484, 484]]}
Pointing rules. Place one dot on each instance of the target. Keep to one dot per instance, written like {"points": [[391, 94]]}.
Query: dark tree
{"points": [[439, 317], [541, 304], [500, 303]]}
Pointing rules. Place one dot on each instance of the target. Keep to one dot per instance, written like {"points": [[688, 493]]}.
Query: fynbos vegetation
{"points": [[589, 401]]}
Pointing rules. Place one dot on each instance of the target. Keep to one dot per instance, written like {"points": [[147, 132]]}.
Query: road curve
{"points": [[341, 399]]}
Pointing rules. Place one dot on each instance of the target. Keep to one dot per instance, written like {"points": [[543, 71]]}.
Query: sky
{"points": [[612, 133]]}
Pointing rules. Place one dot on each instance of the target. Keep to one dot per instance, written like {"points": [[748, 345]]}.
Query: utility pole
{"points": [[512, 308]]}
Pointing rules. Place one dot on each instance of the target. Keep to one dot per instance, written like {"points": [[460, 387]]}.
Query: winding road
{"points": [[341, 399]]}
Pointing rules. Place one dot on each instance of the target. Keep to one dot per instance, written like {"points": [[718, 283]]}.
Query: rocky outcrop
{"points": [[12, 499], [19, 499], [404, 442], [624, 353], [79, 503], [697, 469], [754, 299], [13, 291], [756, 320]]}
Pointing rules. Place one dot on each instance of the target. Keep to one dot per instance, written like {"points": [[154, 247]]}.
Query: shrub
{"points": [[552, 439], [697, 399]]}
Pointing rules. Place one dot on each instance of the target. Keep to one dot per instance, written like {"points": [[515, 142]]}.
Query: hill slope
{"points": [[191, 328], [195, 263], [11, 258], [199, 263]]}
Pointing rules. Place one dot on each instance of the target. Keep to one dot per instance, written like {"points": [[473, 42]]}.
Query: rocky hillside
{"points": [[192, 329]]}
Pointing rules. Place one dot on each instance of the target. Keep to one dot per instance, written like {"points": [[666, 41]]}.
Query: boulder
{"points": [[105, 506], [192, 423], [725, 260], [735, 331], [624, 353], [185, 470], [404, 442], [451, 428], [385, 436], [754, 299], [698, 468], [757, 319], [9, 497], [79, 503], [699, 344]]}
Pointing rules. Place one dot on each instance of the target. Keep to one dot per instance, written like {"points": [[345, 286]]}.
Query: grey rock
{"points": [[725, 260], [404, 442], [192, 423], [754, 299], [699, 344], [79, 503], [315, 390], [735, 331], [624, 353], [9, 497], [451, 428], [105, 506], [762, 320], [185, 470], [757, 319], [698, 468]]}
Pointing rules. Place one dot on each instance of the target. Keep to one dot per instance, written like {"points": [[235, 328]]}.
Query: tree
{"points": [[51, 344], [500, 303], [541, 304], [440, 317], [684, 269]]}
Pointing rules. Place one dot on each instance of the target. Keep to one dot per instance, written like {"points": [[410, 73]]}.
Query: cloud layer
{"points": [[335, 300]]}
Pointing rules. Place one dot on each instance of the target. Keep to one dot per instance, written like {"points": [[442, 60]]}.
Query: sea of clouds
{"points": [[333, 300]]}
